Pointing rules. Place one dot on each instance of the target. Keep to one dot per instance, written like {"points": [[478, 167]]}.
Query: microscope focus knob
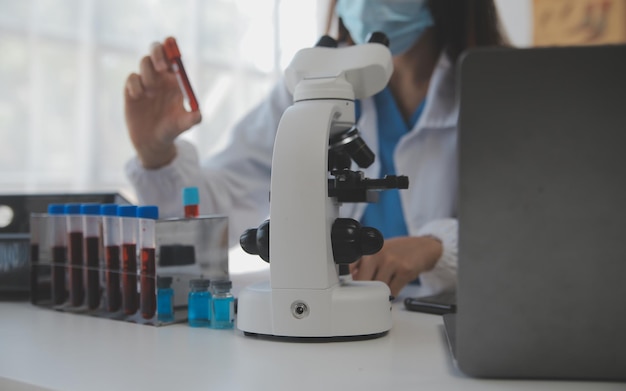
{"points": [[256, 241], [378, 37], [351, 241]]}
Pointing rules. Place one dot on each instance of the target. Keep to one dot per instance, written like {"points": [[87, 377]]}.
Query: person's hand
{"points": [[400, 261], [154, 110]]}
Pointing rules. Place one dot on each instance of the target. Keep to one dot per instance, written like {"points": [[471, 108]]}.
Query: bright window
{"points": [[63, 65]]}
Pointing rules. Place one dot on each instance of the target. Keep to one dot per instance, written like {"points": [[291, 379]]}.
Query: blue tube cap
{"points": [[191, 196], [127, 210], [72, 209], [56, 209], [108, 210], [90, 209], [148, 212]]}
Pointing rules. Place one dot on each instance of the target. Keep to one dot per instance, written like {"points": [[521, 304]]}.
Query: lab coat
{"points": [[235, 180]]}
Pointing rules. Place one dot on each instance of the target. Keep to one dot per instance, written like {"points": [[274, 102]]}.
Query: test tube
{"points": [[58, 241], [147, 216], [173, 55], [36, 221], [128, 225], [91, 234], [191, 199], [75, 253], [112, 240], [39, 265]]}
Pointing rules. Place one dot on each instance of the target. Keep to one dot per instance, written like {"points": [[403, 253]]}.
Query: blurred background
{"points": [[63, 64]]}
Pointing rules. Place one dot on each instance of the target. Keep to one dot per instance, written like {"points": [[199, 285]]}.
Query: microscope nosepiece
{"points": [[360, 152], [351, 143]]}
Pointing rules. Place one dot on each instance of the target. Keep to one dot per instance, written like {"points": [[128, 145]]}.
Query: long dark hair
{"points": [[463, 24], [459, 25]]}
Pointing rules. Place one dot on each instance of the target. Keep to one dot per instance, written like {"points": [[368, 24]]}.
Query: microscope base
{"points": [[347, 338], [347, 311]]}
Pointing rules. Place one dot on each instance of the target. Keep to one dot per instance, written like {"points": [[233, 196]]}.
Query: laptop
{"points": [[542, 214]]}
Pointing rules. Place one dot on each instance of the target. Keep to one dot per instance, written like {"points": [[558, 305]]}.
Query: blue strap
{"points": [[386, 215]]}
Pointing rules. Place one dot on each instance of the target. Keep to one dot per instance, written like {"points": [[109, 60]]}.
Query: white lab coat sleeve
{"points": [[233, 181], [443, 276], [162, 187]]}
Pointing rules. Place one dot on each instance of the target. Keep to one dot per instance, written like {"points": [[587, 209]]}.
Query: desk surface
{"points": [[44, 349]]}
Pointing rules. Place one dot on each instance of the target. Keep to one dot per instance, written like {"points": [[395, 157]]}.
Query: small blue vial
{"points": [[165, 299], [199, 301], [222, 305]]}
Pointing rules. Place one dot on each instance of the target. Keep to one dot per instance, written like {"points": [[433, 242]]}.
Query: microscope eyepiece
{"points": [[327, 41], [378, 37]]}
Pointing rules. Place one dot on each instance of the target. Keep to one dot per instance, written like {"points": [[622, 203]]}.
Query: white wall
{"points": [[516, 17]]}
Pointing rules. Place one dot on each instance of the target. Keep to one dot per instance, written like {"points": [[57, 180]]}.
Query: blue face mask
{"points": [[403, 21]]}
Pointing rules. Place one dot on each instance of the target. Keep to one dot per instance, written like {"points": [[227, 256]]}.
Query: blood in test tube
{"points": [[191, 211], [128, 222], [172, 53], [129, 278], [147, 216], [76, 271], [34, 273], [75, 253], [36, 222], [148, 283], [58, 243], [59, 258], [112, 239], [112, 278], [91, 233], [191, 199], [92, 246]]}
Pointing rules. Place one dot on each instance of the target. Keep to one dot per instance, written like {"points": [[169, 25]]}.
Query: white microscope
{"points": [[306, 241]]}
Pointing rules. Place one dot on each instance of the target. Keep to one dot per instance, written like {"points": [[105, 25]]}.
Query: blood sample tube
{"points": [[36, 221], [147, 216], [91, 236], [191, 199], [128, 225], [112, 241], [173, 56], [58, 241], [75, 253]]}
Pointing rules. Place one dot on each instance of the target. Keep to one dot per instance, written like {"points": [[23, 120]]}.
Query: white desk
{"points": [[44, 349]]}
